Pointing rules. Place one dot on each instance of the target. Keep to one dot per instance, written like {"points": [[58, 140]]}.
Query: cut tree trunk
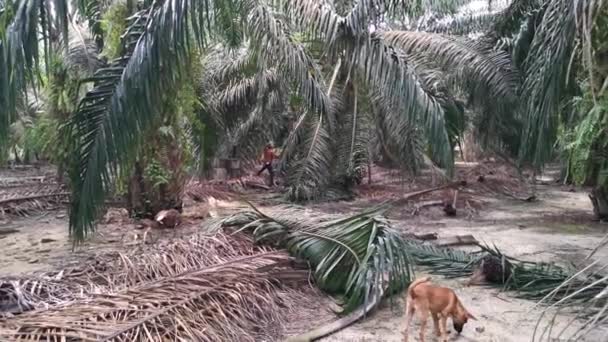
{"points": [[599, 200]]}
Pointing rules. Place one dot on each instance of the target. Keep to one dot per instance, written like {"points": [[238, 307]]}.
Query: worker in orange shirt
{"points": [[267, 159]]}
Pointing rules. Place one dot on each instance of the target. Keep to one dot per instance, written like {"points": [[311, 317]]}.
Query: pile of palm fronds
{"points": [[26, 198], [203, 289], [501, 177], [358, 257], [200, 191]]}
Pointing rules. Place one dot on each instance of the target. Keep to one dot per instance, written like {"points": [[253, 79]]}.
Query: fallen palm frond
{"points": [[592, 313], [14, 182], [340, 247], [225, 301], [357, 256], [528, 280], [20, 295], [204, 289], [114, 271], [25, 200], [200, 191]]}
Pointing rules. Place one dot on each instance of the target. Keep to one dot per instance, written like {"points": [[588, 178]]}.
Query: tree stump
{"points": [[491, 269]]}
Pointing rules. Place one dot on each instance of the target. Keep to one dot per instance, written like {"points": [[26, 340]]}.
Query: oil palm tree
{"points": [[329, 149], [337, 58], [365, 60]]}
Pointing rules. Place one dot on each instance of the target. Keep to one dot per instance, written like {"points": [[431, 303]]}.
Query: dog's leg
{"points": [[409, 315], [436, 323], [424, 316], [443, 325]]}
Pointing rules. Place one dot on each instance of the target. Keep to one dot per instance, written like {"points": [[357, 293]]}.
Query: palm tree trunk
{"points": [[17, 159], [136, 191], [599, 200], [470, 149], [146, 197]]}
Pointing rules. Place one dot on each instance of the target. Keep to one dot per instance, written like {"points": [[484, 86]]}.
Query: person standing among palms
{"points": [[267, 159]]}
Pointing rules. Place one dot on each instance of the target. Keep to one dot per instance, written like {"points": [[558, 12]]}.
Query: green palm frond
{"points": [[21, 22], [356, 256], [92, 11], [324, 22], [317, 17], [91, 175], [399, 138], [590, 297], [352, 140], [309, 173], [523, 39], [7, 14], [461, 25], [442, 7], [546, 69], [293, 140], [264, 123], [437, 84], [19, 56], [60, 15], [82, 54], [138, 85], [485, 77], [245, 91], [446, 262], [229, 27], [222, 65], [462, 18], [388, 72], [274, 46], [508, 21], [490, 72], [582, 144], [528, 280]]}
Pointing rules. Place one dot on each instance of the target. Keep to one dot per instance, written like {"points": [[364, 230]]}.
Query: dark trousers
{"points": [[268, 166]]}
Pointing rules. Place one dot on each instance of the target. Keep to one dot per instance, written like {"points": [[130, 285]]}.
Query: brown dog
{"points": [[440, 303]]}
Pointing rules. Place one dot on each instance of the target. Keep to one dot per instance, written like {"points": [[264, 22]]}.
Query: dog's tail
{"points": [[410, 290]]}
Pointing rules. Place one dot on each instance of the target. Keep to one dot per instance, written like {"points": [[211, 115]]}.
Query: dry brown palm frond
{"points": [[112, 272], [200, 191], [19, 295], [229, 300], [23, 200]]}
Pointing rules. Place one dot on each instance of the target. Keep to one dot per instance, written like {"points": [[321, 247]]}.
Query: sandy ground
{"points": [[557, 227], [532, 231]]}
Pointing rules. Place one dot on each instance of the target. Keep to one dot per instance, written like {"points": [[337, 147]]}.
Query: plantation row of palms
{"points": [[130, 96]]}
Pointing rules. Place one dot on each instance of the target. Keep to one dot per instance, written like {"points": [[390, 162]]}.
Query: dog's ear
{"points": [[470, 316]]}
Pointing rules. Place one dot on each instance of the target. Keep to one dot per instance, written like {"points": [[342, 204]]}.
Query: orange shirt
{"points": [[268, 155]]}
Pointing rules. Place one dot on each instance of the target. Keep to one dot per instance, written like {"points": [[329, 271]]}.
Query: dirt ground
{"points": [[558, 227], [528, 231]]}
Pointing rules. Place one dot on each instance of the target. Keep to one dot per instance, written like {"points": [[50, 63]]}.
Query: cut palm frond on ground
{"points": [[205, 289], [22, 201], [356, 256], [528, 280], [114, 271], [342, 249], [592, 313]]}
